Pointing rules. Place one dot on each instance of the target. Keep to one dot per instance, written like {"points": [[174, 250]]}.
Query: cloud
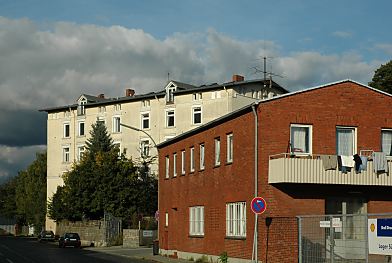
{"points": [[342, 34], [387, 48], [52, 64], [14, 159]]}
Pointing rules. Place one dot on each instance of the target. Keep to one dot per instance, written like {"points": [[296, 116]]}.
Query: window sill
{"points": [[217, 165], [195, 236], [166, 178], [235, 237], [201, 169], [183, 174], [229, 163]]}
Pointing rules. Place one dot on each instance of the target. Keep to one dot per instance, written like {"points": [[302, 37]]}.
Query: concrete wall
{"points": [[90, 232], [130, 238]]}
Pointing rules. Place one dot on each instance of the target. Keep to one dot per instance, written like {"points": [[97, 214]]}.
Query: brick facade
{"points": [[341, 104]]}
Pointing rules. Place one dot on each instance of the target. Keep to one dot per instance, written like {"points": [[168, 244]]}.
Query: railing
{"points": [[308, 169]]}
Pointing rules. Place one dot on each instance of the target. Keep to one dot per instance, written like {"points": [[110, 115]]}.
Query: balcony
{"points": [[284, 168]]}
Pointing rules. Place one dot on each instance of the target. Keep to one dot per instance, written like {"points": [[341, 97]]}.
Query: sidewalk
{"points": [[137, 253]]}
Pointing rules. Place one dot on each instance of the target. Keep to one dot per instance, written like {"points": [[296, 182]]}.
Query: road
{"points": [[28, 250]]}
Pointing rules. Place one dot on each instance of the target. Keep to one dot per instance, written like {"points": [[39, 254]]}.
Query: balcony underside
{"points": [[309, 170]]}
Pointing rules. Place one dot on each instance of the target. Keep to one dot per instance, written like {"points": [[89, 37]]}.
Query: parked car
{"points": [[46, 235], [69, 240]]}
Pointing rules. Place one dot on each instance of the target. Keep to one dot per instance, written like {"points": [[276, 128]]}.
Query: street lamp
{"points": [[140, 130]]}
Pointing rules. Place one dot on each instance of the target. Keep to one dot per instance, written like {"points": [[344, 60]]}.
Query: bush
{"points": [[223, 258]]}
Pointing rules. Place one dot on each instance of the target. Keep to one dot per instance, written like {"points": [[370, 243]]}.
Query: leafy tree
{"points": [[102, 182], [382, 78], [7, 199], [30, 192]]}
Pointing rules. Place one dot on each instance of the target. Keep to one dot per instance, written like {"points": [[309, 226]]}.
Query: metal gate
{"points": [[337, 239], [113, 230]]}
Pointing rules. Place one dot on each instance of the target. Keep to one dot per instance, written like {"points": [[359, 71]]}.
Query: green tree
{"points": [[103, 181], [382, 78], [30, 193], [7, 199]]}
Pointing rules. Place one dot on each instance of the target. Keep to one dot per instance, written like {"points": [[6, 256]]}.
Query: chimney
{"points": [[237, 78], [129, 92], [101, 96]]}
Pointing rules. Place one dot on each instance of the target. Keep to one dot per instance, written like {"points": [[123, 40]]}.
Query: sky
{"points": [[52, 51]]}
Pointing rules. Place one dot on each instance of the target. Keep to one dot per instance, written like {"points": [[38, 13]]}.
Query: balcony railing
{"points": [[286, 168]]}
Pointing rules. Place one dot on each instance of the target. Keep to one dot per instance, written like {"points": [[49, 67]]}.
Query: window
{"points": [[192, 155], [174, 165], [351, 207], [81, 110], [102, 109], [196, 115], [196, 220], [66, 155], [117, 107], [197, 96], [167, 167], [170, 94], [145, 147], [81, 150], [229, 148], [182, 162], [217, 151], [202, 164], [145, 120], [66, 130], [166, 219], [386, 142], [236, 219], [170, 118], [301, 139], [145, 103], [81, 128], [118, 146], [346, 141], [116, 124]]}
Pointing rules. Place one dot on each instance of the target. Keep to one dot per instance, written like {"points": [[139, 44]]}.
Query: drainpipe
{"points": [[255, 256]]}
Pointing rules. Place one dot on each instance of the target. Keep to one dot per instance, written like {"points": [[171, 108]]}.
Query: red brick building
{"points": [[207, 175]]}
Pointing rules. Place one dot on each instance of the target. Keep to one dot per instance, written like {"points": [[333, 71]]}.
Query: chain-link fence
{"points": [[338, 239]]}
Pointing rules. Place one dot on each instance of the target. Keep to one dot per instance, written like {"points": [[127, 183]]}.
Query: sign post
{"points": [[258, 206]]}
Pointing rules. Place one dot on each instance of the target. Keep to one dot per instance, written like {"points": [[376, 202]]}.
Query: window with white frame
{"points": [[301, 139], [116, 124], [66, 158], [182, 162], [202, 159], [386, 142], [236, 219], [174, 164], [229, 155], [166, 219], [196, 220], [192, 159], [217, 151], [170, 94], [81, 128], [117, 107], [81, 110], [170, 118], [145, 120], [81, 150], [66, 130], [346, 141], [196, 115], [167, 166], [145, 147]]}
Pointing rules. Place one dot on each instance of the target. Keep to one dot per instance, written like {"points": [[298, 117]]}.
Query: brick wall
{"points": [[344, 104]]}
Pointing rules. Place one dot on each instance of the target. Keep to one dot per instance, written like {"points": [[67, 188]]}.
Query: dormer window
{"points": [[170, 93], [81, 108]]}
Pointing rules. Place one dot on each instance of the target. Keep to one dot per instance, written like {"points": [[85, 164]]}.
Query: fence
{"points": [[340, 239], [113, 230]]}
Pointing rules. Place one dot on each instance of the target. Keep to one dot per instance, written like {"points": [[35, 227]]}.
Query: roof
{"points": [[183, 88], [248, 108]]}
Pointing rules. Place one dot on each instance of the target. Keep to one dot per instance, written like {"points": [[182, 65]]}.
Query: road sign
{"points": [[258, 205]]}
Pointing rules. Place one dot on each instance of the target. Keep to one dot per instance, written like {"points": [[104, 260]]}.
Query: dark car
{"points": [[46, 235], [69, 240]]}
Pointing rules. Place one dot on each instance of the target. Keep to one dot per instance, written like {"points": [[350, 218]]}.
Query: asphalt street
{"points": [[29, 250]]}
